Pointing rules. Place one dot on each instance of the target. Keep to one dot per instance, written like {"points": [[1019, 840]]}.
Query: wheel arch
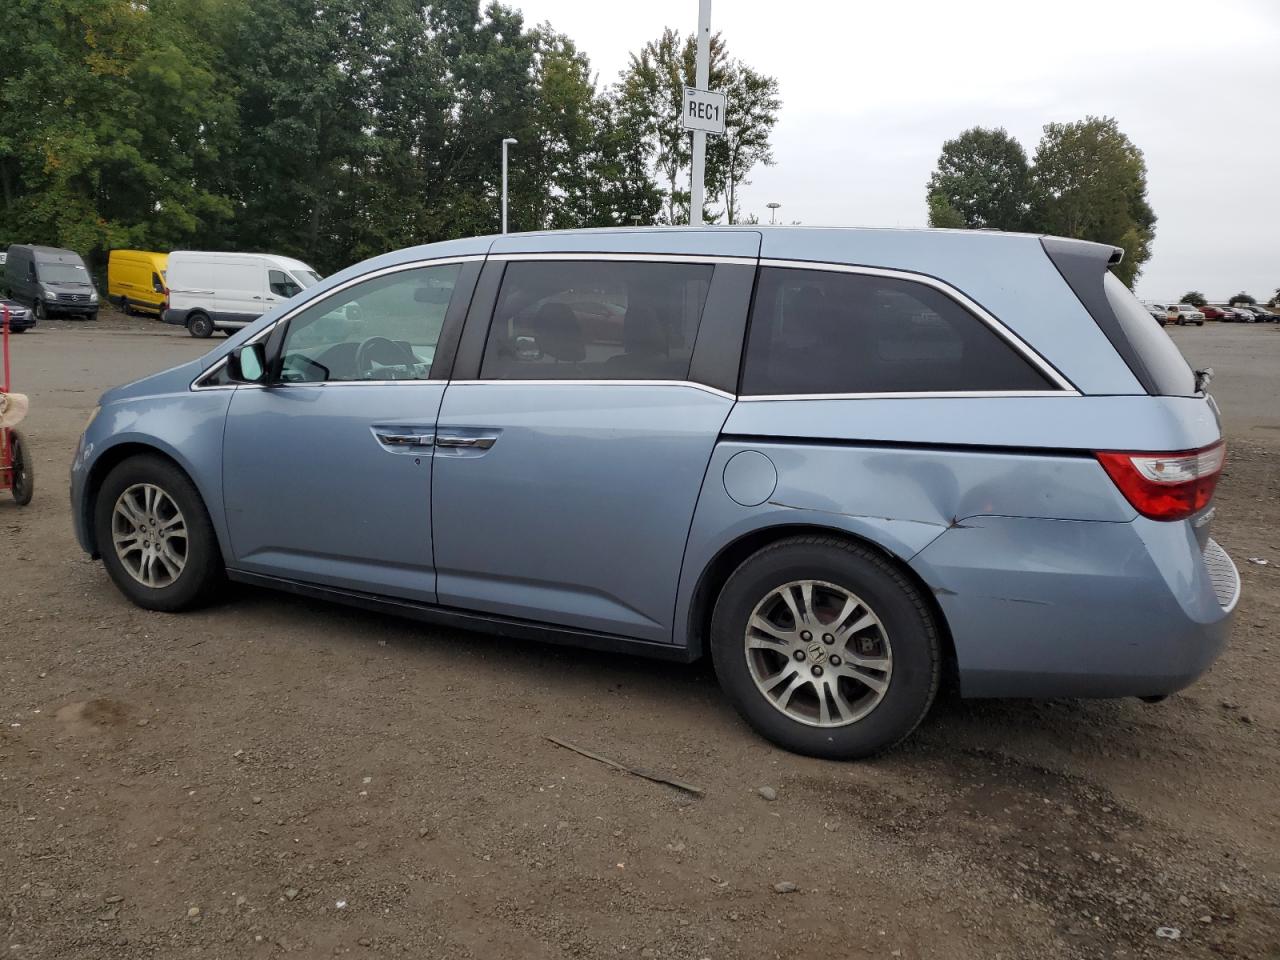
{"points": [[716, 573], [111, 458]]}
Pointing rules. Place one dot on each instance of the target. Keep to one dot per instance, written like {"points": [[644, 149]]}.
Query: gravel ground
{"points": [[278, 776]]}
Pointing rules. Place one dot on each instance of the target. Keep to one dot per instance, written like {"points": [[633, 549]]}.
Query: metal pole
{"points": [[699, 136], [505, 143]]}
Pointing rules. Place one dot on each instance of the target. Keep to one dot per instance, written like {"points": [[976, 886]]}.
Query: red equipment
{"points": [[15, 461]]}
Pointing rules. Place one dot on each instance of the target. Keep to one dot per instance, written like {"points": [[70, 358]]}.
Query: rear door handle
{"points": [[404, 439], [468, 443]]}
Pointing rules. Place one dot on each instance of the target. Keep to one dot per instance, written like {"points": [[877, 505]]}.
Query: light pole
{"points": [[505, 144], [773, 206]]}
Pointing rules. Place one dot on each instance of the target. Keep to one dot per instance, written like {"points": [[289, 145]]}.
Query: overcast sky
{"points": [[871, 90]]}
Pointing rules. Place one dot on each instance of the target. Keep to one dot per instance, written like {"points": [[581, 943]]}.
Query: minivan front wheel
{"points": [[41, 311], [825, 648], [155, 536]]}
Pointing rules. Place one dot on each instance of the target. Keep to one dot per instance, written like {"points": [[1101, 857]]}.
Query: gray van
{"points": [[52, 282]]}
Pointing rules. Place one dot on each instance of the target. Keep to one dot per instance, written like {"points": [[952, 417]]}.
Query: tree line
{"points": [[333, 130], [1086, 180]]}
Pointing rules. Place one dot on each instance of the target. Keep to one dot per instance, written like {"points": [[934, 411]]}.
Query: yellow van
{"points": [[136, 280]]}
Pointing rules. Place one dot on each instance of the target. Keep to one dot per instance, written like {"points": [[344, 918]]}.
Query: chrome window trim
{"points": [[911, 395], [306, 305], [628, 257], [946, 289], [714, 391]]}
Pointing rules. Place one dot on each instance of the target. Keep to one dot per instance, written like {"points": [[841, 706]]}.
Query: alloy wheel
{"points": [[818, 653], [150, 535]]}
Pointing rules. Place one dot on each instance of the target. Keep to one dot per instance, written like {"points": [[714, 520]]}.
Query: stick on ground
{"points": [[636, 771]]}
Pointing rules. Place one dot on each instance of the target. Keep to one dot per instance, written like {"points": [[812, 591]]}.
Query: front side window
{"points": [[386, 328], [824, 332], [596, 320], [282, 285]]}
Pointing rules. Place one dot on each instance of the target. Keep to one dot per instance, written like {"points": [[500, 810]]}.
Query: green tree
{"points": [[750, 117], [1195, 298], [1275, 301], [1090, 182], [981, 176], [943, 214], [1242, 298], [111, 114], [651, 94]]}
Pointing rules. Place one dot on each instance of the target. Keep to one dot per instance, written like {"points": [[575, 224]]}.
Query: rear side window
{"points": [[596, 320], [821, 332], [1170, 375]]}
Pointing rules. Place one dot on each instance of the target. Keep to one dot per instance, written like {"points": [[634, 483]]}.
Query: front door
{"points": [[327, 470], [566, 475]]}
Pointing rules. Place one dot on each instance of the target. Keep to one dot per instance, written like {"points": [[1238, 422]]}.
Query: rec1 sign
{"points": [[704, 110]]}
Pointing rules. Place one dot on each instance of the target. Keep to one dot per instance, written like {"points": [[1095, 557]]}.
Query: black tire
{"points": [[24, 479], [202, 574], [199, 325], [40, 310], [912, 633], [126, 307], [18, 329], [91, 316]]}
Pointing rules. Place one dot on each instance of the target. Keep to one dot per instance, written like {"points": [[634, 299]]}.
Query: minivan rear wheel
{"points": [[155, 536], [199, 325], [825, 648]]}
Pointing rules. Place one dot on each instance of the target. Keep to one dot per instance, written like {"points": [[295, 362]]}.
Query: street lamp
{"points": [[505, 144], [773, 206]]}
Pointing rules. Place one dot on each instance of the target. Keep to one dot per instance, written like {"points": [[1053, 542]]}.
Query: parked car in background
{"points": [[1157, 310], [1188, 313], [1213, 313], [1262, 314], [136, 280], [51, 281], [20, 318], [833, 459], [226, 291]]}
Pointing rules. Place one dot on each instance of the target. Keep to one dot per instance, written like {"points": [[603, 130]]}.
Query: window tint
{"points": [[1170, 374], [587, 320], [282, 285], [383, 329], [816, 331]]}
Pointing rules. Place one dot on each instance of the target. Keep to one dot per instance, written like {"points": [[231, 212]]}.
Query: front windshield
{"points": [[305, 278], [62, 273]]}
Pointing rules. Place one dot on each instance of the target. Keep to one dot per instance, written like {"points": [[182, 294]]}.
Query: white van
{"points": [[225, 291]]}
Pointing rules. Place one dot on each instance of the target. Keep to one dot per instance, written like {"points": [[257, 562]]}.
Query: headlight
{"points": [[93, 297]]}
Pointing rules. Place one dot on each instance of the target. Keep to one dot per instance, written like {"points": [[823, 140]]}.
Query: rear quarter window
{"points": [[829, 332], [1170, 374]]}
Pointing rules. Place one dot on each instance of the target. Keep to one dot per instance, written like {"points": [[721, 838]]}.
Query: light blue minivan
{"points": [[845, 463]]}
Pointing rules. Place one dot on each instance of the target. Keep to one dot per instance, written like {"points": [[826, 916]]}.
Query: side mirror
{"points": [[247, 363]]}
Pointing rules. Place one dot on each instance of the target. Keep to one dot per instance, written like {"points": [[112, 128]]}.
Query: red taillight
{"points": [[1167, 486]]}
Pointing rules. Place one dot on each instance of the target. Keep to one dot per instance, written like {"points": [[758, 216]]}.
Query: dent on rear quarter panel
{"points": [[900, 499]]}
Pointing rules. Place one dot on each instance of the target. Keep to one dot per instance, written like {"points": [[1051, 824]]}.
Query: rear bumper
{"points": [[178, 317], [1051, 608]]}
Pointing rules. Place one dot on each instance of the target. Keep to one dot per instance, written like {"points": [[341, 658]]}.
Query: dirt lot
{"points": [[277, 776]]}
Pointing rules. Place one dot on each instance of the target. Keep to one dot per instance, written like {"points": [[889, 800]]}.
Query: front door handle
{"points": [[468, 443], [405, 439]]}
